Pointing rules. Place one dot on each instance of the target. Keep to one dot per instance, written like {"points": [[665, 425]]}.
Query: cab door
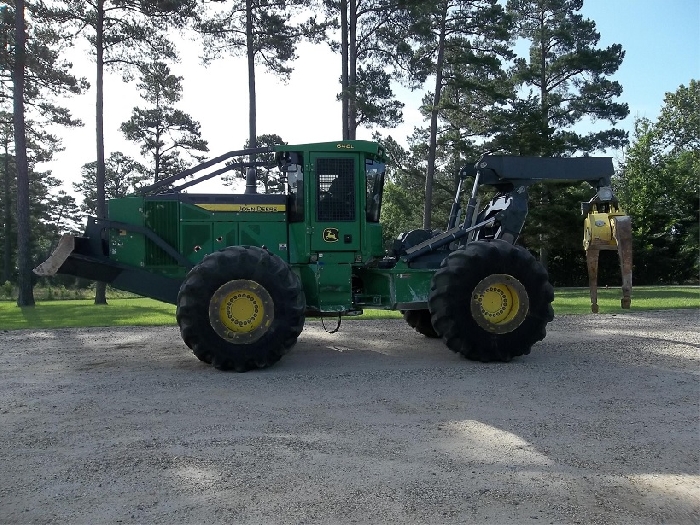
{"points": [[336, 194]]}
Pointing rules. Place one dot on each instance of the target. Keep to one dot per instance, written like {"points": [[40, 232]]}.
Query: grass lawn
{"points": [[83, 312], [136, 311]]}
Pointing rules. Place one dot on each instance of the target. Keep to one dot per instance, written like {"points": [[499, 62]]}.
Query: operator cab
{"points": [[335, 194]]}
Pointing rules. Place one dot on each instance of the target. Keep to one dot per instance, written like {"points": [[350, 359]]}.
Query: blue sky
{"points": [[661, 39]]}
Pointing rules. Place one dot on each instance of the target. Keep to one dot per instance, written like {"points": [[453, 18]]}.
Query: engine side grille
{"points": [[162, 218]]}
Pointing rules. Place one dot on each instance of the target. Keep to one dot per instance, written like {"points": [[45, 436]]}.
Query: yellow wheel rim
{"points": [[241, 311], [499, 303]]}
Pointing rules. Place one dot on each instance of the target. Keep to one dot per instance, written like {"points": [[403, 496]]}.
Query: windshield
{"points": [[374, 175]]}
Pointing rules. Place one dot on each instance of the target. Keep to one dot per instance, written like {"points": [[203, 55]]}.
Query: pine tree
{"points": [[31, 57], [372, 51], [123, 176], [563, 82], [454, 37], [403, 205], [120, 33], [40, 148], [52, 212], [8, 175], [268, 180], [263, 32], [162, 131]]}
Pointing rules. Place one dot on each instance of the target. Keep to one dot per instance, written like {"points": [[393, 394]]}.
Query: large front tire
{"points": [[491, 301], [241, 308], [419, 320]]}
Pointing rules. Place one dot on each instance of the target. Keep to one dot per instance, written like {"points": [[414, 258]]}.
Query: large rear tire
{"points": [[419, 320], [491, 301], [241, 308]]}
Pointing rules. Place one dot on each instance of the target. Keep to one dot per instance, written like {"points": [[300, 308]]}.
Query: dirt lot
{"points": [[374, 424]]}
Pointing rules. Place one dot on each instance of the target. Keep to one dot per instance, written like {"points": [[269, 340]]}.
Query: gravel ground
{"points": [[374, 424]]}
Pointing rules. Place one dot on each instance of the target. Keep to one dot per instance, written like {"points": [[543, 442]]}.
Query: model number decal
{"points": [[246, 208]]}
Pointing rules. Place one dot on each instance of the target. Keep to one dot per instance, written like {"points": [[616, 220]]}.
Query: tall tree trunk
{"points": [[7, 203], [544, 94], [545, 148], [251, 174], [24, 263], [7, 200], [156, 158], [100, 287], [432, 146], [344, 79], [352, 73], [544, 203]]}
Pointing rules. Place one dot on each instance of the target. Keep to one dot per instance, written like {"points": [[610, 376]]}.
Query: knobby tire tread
{"points": [[419, 320], [241, 262], [451, 291]]}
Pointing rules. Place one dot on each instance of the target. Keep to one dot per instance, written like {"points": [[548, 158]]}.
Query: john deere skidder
{"points": [[245, 270]]}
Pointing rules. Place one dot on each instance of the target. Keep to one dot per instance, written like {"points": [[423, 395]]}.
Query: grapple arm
{"points": [[606, 227]]}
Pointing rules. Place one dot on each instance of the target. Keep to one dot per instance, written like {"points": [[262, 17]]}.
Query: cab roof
{"points": [[359, 146]]}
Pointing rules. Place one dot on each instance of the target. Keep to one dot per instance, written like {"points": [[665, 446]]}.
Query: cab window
{"points": [[374, 175], [295, 182], [336, 189]]}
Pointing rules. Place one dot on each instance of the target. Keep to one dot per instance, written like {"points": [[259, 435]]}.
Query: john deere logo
{"points": [[330, 235]]}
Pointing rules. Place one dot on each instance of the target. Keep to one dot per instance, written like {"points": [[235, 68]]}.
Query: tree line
{"points": [[524, 77]]}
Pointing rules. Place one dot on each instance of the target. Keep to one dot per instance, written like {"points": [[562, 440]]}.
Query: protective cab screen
{"points": [[336, 189]]}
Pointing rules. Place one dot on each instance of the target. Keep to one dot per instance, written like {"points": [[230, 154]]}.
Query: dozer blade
{"points": [[82, 257], [51, 265]]}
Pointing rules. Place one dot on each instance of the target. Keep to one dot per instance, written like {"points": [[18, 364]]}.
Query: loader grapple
{"points": [[606, 227]]}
